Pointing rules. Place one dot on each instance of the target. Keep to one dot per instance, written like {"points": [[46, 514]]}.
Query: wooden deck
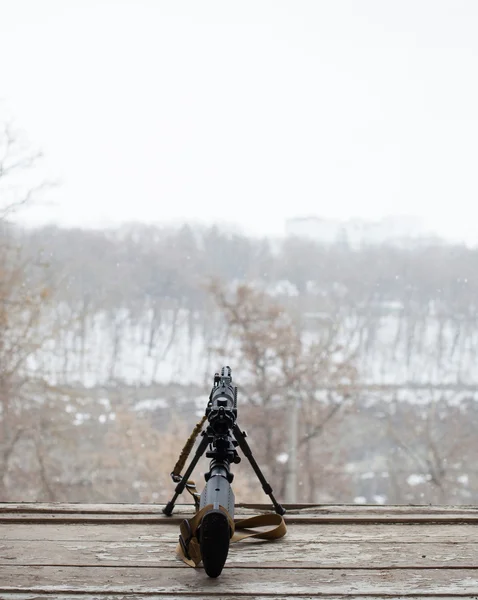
{"points": [[79, 551]]}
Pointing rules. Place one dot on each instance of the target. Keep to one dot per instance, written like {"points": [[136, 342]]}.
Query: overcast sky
{"points": [[248, 111]]}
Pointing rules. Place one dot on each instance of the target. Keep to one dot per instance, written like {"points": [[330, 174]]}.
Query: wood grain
{"points": [[177, 517], [327, 533], [312, 554], [226, 596], [265, 582], [314, 509]]}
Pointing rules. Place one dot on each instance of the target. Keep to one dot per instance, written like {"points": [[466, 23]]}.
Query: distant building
{"points": [[356, 232]]}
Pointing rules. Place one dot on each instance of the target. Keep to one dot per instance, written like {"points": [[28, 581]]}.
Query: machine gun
{"points": [[213, 524]]}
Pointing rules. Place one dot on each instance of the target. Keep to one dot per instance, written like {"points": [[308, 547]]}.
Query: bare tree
{"points": [[18, 181], [431, 450], [282, 374], [25, 311]]}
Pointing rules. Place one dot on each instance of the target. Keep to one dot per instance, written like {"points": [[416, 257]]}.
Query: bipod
{"points": [[240, 437], [183, 481]]}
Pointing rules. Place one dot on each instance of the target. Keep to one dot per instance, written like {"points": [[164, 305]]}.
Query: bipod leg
{"points": [[168, 509], [244, 446]]}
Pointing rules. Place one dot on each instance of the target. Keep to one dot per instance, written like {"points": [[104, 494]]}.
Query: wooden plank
{"points": [[310, 519], [326, 533], [266, 582], [253, 553], [119, 508], [100, 509], [141, 596]]}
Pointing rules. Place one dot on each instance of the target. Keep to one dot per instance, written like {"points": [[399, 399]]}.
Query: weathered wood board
{"points": [[68, 551]]}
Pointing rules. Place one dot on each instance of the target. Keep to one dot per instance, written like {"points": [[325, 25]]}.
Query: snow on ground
{"points": [[122, 351]]}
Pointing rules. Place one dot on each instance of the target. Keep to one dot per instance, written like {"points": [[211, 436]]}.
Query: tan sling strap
{"points": [[188, 549], [186, 451]]}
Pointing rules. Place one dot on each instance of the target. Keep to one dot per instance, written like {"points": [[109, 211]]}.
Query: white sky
{"points": [[248, 111]]}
